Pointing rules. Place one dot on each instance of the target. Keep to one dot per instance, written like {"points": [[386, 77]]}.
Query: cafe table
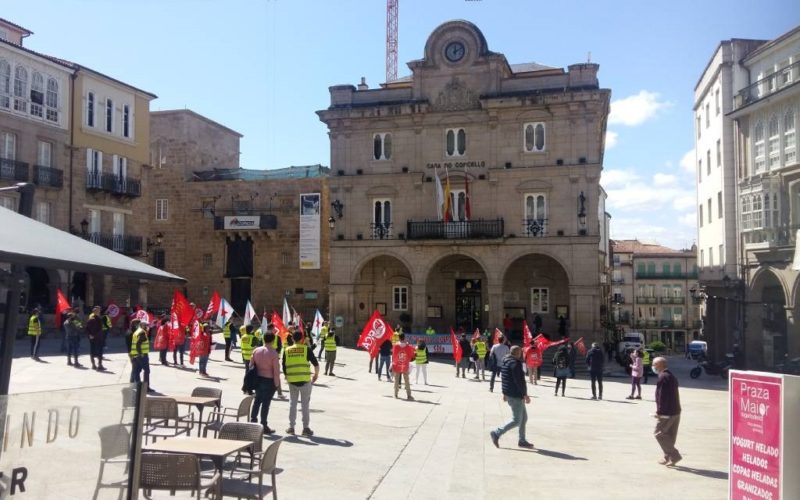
{"points": [[199, 402], [215, 449]]}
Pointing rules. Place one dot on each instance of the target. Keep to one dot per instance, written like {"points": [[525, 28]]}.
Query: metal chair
{"points": [[129, 397], [245, 488], [244, 431], [175, 472], [207, 392], [162, 419], [115, 442], [217, 418]]}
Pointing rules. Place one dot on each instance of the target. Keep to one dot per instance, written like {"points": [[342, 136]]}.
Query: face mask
{"points": [[656, 370]]}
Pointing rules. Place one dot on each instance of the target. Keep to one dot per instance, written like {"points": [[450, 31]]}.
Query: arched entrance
{"points": [[766, 341], [383, 283], [457, 293], [536, 284]]}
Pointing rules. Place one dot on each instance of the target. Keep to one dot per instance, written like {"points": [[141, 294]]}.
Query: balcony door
{"points": [[119, 232], [94, 225], [120, 172], [381, 219]]}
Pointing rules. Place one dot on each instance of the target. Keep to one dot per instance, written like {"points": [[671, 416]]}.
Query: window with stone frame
{"points": [[400, 298], [540, 300], [207, 207], [162, 209], [90, 111], [708, 162], [455, 142], [126, 121], [773, 143], [44, 153], [719, 204], [759, 159], [8, 146], [109, 116], [719, 153], [534, 137], [51, 101], [381, 218], [208, 260], [5, 84], [37, 95], [716, 101], [789, 139], [43, 210], [458, 205], [20, 89], [159, 258], [535, 214], [746, 215], [382, 146]]}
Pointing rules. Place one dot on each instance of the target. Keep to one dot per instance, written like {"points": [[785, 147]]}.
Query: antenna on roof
{"points": [[589, 57]]}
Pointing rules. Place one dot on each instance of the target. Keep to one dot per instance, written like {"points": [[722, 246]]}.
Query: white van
{"points": [[631, 340]]}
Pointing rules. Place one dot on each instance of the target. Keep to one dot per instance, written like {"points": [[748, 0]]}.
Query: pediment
{"points": [[533, 185]]}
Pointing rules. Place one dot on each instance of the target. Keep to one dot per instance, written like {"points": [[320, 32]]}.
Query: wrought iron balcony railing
{"points": [[123, 243], [646, 300], [381, 231], [683, 275], [673, 300], [48, 176], [13, 170], [440, 230], [534, 228], [769, 85], [114, 184]]}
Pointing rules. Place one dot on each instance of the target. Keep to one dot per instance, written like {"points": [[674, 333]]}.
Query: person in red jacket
{"points": [[533, 362], [402, 354]]}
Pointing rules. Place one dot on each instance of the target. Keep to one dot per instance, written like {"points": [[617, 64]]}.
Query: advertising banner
{"points": [[242, 222], [51, 443], [756, 435], [437, 344], [310, 205]]}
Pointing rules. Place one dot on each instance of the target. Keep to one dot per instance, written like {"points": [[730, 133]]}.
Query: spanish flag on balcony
{"points": [[447, 203]]}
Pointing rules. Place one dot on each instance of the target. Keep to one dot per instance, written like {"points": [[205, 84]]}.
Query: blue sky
{"points": [[264, 67]]}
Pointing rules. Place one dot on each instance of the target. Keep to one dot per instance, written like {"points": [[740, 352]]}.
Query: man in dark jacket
{"points": [[668, 412], [94, 330], [466, 349], [515, 393], [595, 360]]}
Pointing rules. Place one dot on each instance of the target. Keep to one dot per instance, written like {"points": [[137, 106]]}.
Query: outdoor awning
{"points": [[28, 242]]}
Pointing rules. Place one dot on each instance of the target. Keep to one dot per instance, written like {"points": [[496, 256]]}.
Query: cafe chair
{"points": [[244, 431], [217, 418], [175, 472], [207, 392], [245, 487], [161, 419], [129, 397], [115, 445]]}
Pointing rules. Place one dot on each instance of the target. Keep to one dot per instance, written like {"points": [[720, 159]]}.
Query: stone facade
{"points": [[525, 142], [196, 172]]}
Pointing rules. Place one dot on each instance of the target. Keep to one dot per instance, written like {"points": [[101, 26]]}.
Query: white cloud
{"points": [[611, 139], [664, 179], [688, 162], [617, 177], [684, 202], [689, 220], [636, 109], [653, 231]]}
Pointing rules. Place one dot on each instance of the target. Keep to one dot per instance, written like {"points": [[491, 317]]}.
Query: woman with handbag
{"points": [[561, 367]]}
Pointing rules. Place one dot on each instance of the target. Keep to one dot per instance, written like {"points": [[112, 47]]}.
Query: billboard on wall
{"points": [[764, 439], [50, 443], [310, 209]]}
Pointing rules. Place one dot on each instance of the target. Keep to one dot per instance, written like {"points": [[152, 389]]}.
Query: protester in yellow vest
{"points": [[323, 332], [258, 335], [646, 362], [296, 359], [480, 364], [421, 361], [140, 355], [330, 343], [226, 334], [430, 331], [35, 331], [247, 343]]}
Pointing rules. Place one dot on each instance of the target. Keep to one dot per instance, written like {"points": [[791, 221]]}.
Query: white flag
{"points": [[225, 312], [249, 313], [316, 329], [264, 324], [439, 196], [287, 314]]}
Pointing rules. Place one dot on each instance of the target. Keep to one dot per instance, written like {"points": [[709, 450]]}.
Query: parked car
{"points": [[631, 341], [697, 349]]}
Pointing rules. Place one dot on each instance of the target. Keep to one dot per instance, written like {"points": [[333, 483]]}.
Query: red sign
{"points": [[756, 454]]}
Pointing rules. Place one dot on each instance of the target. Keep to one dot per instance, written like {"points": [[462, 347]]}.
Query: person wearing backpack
{"points": [[561, 367]]}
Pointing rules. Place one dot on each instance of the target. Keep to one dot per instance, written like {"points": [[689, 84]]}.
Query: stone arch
{"points": [[767, 335], [466, 28], [425, 272], [383, 279], [795, 296], [457, 285], [522, 252], [757, 283], [366, 259]]}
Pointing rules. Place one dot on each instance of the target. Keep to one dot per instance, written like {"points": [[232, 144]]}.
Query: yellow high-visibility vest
{"points": [[247, 346], [480, 348], [135, 340], [297, 368], [226, 331], [330, 343], [422, 357], [34, 325]]}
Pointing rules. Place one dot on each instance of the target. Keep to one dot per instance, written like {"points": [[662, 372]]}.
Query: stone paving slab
{"points": [[368, 444]]}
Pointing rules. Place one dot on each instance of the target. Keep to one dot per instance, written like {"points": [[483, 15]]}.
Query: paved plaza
{"points": [[369, 445]]}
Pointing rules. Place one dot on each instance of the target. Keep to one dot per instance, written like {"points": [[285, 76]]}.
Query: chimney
{"points": [[363, 85]]}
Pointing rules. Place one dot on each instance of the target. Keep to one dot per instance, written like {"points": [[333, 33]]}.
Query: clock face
{"points": [[454, 51]]}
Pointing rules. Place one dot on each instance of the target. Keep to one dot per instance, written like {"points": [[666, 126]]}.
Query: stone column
{"points": [[495, 316], [753, 336], [419, 307], [793, 333]]}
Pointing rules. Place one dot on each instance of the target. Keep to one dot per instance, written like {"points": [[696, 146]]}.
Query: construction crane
{"points": [[391, 40]]}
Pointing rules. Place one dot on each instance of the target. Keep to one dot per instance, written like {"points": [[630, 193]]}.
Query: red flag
{"points": [[198, 345], [467, 209], [301, 327], [61, 305], [277, 322], [113, 311], [496, 336], [580, 346], [375, 332], [526, 334], [456, 346], [213, 306], [161, 341], [476, 335], [182, 308]]}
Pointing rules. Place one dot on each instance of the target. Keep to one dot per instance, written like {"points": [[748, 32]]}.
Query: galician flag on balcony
{"points": [[439, 196]]}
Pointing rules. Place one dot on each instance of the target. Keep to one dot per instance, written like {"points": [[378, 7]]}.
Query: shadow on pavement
{"points": [[713, 474], [331, 442], [39, 360], [343, 378], [557, 454]]}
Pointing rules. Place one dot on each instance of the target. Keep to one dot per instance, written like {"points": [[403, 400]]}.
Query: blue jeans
{"points": [[203, 363], [384, 360], [519, 418], [141, 364], [73, 346]]}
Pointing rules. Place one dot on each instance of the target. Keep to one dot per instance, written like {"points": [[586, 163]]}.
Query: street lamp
{"points": [[582, 209], [84, 228], [331, 222], [159, 237]]}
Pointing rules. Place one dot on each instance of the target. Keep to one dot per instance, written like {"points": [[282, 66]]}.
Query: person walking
{"points": [[595, 360], [330, 343], [496, 356], [140, 355], [561, 368], [668, 412], [515, 393], [533, 361], [323, 332], [226, 335], [94, 331], [480, 350], [573, 354], [402, 354], [266, 362], [296, 359], [246, 341], [35, 331], [72, 332], [636, 374], [466, 353], [421, 361], [385, 356], [646, 364]]}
